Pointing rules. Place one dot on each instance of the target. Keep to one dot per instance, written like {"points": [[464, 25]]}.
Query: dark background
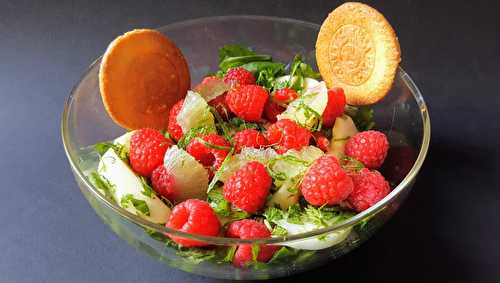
{"points": [[447, 231]]}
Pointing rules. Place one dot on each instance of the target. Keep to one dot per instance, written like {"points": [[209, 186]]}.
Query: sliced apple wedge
{"points": [[191, 178], [342, 130], [129, 191]]}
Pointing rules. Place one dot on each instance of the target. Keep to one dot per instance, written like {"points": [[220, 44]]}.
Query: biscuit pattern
{"points": [[352, 54], [358, 50]]}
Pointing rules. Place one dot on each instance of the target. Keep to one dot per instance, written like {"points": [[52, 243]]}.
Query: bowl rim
{"points": [[402, 186]]}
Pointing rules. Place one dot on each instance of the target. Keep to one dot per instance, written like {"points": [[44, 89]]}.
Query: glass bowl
{"points": [[402, 115]]}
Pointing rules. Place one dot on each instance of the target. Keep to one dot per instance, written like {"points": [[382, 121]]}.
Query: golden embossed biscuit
{"points": [[358, 50], [142, 74]]}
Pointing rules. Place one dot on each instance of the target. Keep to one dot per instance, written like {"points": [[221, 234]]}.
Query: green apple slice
{"points": [[195, 113], [308, 108], [128, 190], [342, 130]]}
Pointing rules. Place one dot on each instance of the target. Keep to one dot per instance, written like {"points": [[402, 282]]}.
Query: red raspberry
{"points": [[321, 141], [175, 129], [249, 138], [334, 107], [250, 229], [369, 188], [196, 217], [147, 148], [369, 147], [271, 110], [286, 134], [247, 101], [326, 182], [248, 187], [210, 151], [163, 182], [239, 76], [285, 95]]}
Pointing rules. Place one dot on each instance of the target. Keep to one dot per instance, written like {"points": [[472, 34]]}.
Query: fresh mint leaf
{"points": [[219, 204], [233, 50], [146, 188], [119, 149], [279, 231], [295, 214], [243, 61], [156, 235], [230, 254], [138, 204], [255, 252], [102, 147], [214, 146], [193, 133], [273, 214], [196, 255], [299, 68], [318, 216], [281, 254], [103, 184]]}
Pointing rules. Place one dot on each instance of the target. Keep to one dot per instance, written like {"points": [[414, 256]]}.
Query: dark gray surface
{"points": [[448, 231]]}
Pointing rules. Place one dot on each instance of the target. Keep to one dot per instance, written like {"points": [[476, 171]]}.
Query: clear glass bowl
{"points": [[402, 115]]}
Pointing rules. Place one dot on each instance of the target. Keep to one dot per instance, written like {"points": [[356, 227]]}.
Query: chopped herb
{"points": [[103, 184], [273, 214], [193, 133], [318, 216], [233, 50], [219, 204], [230, 254], [146, 188], [294, 214], [244, 61], [281, 254], [279, 231], [255, 252], [196, 255], [217, 175], [157, 235], [139, 205], [214, 146], [119, 149]]}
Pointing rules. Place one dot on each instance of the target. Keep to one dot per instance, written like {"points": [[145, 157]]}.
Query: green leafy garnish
{"points": [[222, 207], [281, 254], [362, 117], [273, 214], [294, 214], [217, 175], [219, 204], [298, 72], [146, 188], [119, 149], [196, 255], [138, 204], [157, 235], [255, 252], [103, 184], [193, 133], [243, 61], [233, 50], [230, 254], [279, 231]]}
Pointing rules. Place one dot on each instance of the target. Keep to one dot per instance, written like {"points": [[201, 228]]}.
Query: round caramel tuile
{"points": [[142, 75], [357, 49]]}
